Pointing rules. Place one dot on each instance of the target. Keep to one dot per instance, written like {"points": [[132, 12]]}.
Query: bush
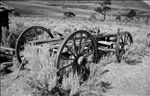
{"points": [[136, 53], [92, 17]]}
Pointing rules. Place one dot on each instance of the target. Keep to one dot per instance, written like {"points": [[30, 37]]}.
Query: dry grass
{"points": [[41, 77]]}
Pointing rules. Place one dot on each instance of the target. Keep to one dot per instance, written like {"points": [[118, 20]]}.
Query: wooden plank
{"points": [[106, 43], [106, 49], [6, 54], [7, 48], [52, 40], [5, 65], [105, 35], [114, 39]]}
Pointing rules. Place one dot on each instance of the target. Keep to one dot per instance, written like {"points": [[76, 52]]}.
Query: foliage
{"points": [[104, 7]]}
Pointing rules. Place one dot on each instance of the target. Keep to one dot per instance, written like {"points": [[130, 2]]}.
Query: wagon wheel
{"points": [[124, 40], [30, 34], [75, 55]]}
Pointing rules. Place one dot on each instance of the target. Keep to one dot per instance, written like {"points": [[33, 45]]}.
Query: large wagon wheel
{"points": [[124, 40], [30, 34], [75, 55]]}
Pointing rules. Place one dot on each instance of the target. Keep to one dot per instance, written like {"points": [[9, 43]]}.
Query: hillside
{"points": [[125, 3], [132, 3], [82, 8]]}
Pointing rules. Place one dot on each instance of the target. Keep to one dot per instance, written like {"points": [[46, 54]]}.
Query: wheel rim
{"points": [[30, 34], [76, 53], [124, 41]]}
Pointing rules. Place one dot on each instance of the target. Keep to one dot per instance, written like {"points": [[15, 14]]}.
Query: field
{"points": [[81, 9], [131, 77]]}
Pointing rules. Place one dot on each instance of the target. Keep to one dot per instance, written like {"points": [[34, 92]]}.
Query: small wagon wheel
{"points": [[76, 53], [124, 40], [30, 34]]}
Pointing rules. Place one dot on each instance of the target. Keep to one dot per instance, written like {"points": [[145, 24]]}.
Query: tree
{"points": [[104, 7]]}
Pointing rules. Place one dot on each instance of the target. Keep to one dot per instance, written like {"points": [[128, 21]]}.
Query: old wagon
{"points": [[77, 50]]}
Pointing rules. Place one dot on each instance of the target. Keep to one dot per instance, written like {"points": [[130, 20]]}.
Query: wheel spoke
{"points": [[80, 43], [121, 39], [87, 49], [125, 38], [84, 44], [66, 66], [70, 51], [74, 44], [122, 42], [65, 58], [36, 33], [89, 46], [90, 53], [129, 40], [121, 51]]}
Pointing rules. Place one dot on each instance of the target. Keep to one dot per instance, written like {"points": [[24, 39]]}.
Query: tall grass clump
{"points": [[42, 76], [71, 83], [43, 80], [139, 49], [95, 85]]}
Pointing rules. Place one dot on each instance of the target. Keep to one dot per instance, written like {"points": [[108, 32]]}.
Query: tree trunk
{"points": [[104, 12]]}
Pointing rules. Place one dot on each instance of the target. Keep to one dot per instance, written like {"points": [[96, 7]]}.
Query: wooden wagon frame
{"points": [[75, 51]]}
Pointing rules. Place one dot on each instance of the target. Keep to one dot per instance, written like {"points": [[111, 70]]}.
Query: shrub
{"points": [[136, 53], [92, 17]]}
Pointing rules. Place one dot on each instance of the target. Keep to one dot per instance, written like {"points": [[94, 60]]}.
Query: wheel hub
{"points": [[79, 60]]}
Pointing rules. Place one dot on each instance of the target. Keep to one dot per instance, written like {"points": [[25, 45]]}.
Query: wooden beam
{"points": [[106, 49], [52, 40], [106, 43], [104, 36], [7, 48]]}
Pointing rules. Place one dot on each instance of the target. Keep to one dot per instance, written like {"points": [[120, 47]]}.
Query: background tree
{"points": [[104, 7]]}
